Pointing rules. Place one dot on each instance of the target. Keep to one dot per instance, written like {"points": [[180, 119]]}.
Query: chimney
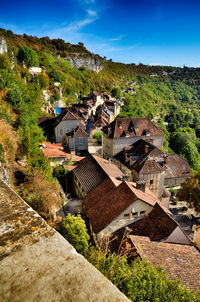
{"points": [[141, 185], [73, 156], [146, 148]]}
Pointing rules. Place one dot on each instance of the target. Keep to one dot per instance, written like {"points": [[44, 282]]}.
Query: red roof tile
{"points": [[112, 201], [180, 261], [140, 126]]}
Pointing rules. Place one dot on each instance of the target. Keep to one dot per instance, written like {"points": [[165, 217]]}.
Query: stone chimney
{"points": [[141, 185], [146, 148], [73, 155]]}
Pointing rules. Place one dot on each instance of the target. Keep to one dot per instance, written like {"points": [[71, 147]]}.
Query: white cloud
{"points": [[92, 12], [118, 38], [89, 1]]}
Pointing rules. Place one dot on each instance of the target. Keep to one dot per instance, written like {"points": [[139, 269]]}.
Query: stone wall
{"points": [[38, 264]]}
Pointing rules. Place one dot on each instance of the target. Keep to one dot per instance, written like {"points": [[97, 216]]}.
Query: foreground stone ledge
{"points": [[38, 264]]}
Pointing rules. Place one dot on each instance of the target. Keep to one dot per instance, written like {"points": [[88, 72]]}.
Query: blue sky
{"points": [[155, 32]]}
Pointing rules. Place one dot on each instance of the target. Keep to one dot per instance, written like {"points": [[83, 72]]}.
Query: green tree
{"points": [[190, 191], [28, 56], [74, 230], [116, 93], [190, 153]]}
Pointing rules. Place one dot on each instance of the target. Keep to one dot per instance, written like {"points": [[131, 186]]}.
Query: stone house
{"points": [[144, 161], [91, 171], [177, 170], [159, 239], [123, 132], [77, 139], [55, 153], [66, 122], [140, 162], [110, 207]]}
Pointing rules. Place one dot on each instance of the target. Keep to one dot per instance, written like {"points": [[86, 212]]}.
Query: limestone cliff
{"points": [[91, 63], [3, 46]]}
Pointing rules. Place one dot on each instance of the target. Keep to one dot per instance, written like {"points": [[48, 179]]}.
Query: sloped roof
{"points": [[158, 225], [55, 153], [148, 166], [180, 261], [92, 170], [176, 166], [77, 132], [69, 116], [131, 127], [112, 201]]}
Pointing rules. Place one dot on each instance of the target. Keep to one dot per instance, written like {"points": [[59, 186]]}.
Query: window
{"points": [[151, 181], [126, 215], [61, 131], [183, 166], [142, 213], [135, 214]]}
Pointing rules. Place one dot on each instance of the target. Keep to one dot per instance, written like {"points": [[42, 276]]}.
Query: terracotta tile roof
{"points": [[176, 166], [56, 153], [48, 145], [92, 170], [132, 127], [111, 201], [180, 261]]}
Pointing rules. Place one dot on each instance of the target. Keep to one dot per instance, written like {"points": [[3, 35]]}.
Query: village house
{"points": [[177, 170], [144, 161], [140, 162], [77, 139], [57, 155], [120, 203], [123, 132], [66, 122], [159, 239], [91, 171]]}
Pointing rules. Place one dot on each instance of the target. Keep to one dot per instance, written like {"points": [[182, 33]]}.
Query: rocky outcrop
{"points": [[90, 63], [3, 46]]}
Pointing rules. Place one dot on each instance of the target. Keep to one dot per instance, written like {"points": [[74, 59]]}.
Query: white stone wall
{"points": [[63, 127], [111, 146], [78, 143], [122, 220]]}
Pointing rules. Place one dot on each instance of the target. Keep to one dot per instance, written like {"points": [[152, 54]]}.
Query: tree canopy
{"points": [[190, 191]]}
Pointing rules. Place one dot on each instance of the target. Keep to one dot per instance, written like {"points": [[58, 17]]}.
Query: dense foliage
{"points": [[74, 230], [190, 191]]}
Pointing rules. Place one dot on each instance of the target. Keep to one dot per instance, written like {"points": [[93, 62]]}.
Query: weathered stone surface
{"points": [[3, 46], [89, 63], [38, 264]]}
